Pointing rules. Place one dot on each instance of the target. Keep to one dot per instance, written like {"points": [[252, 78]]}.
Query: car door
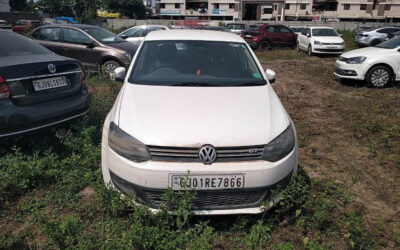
{"points": [[306, 39], [286, 36], [135, 35], [271, 34], [50, 38], [81, 47]]}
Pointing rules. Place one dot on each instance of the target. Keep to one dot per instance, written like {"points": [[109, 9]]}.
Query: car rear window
{"points": [[17, 45]]}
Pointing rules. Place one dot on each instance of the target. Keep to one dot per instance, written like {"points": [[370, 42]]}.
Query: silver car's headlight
{"points": [[125, 145], [317, 43], [281, 146], [356, 60]]}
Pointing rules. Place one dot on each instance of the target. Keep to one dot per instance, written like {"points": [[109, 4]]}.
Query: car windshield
{"points": [[390, 44], [195, 63], [324, 32], [17, 45], [235, 26], [103, 35], [297, 29]]}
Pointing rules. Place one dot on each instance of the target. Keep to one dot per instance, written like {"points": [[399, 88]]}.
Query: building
{"points": [[264, 10], [4, 6]]}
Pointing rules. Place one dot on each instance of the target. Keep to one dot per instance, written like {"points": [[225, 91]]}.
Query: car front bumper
{"points": [[326, 49], [350, 71], [16, 120], [149, 180]]}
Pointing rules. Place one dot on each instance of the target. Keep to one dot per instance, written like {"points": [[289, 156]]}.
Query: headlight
{"points": [[126, 146], [128, 56], [317, 43], [356, 60], [281, 146]]}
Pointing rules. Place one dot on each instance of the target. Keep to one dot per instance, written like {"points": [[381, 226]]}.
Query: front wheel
{"points": [[109, 66], [265, 45], [309, 51], [379, 76]]}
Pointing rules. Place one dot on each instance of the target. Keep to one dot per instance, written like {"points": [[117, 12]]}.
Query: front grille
{"points": [[330, 50], [204, 199], [332, 44], [224, 154]]}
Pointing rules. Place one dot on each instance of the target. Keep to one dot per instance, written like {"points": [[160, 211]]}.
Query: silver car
{"points": [[373, 36], [136, 34]]}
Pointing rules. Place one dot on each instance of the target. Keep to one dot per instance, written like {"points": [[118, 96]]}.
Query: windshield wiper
{"points": [[194, 84]]}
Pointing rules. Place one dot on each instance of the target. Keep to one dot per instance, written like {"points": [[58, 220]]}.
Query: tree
{"points": [[18, 5], [130, 8]]}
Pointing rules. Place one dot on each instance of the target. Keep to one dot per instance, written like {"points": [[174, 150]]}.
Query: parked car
{"points": [[92, 45], [38, 88], [361, 28], [320, 40], [268, 36], [297, 29], [379, 66], [237, 28], [392, 35], [5, 26], [22, 26], [136, 34], [373, 36], [215, 90]]}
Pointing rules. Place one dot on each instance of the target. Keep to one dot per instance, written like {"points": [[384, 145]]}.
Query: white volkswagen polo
{"points": [[197, 111]]}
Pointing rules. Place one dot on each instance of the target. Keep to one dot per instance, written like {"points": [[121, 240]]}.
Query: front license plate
{"points": [[50, 83], [247, 35], [207, 182]]}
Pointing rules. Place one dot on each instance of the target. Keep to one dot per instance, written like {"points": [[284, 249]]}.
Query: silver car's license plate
{"points": [[50, 83], [207, 182]]}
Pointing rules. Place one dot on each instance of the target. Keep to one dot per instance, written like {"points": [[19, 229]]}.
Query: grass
{"points": [[52, 194]]}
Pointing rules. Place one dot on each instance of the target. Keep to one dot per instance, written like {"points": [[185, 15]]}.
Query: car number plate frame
{"points": [[49, 83], [207, 182]]}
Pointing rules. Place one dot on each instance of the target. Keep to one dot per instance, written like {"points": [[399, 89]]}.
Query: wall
{"points": [[125, 23]]}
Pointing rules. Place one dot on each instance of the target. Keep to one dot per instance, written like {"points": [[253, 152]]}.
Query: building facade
{"points": [[4, 6], [264, 10]]}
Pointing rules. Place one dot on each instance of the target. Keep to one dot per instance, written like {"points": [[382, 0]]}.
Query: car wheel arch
{"points": [[110, 58], [379, 64]]}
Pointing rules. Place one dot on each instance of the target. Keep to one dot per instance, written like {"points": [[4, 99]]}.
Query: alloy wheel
{"points": [[379, 77]]}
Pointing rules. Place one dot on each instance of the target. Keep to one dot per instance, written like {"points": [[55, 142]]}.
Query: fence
{"points": [[124, 23]]}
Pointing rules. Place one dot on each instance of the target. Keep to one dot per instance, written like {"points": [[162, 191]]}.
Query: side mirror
{"points": [[90, 44], [123, 36], [118, 74], [270, 75], [308, 35]]}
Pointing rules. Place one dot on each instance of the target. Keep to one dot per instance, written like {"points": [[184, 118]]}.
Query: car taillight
{"points": [[4, 91]]}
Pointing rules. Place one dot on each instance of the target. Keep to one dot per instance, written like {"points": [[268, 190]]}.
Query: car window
{"points": [[284, 30], [384, 31], [75, 36], [324, 32], [304, 32], [297, 29], [135, 32], [270, 29], [17, 45], [390, 44], [48, 34], [150, 29], [195, 63], [103, 35]]}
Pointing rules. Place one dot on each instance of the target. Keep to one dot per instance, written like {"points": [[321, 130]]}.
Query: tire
{"points": [[309, 50], [109, 66], [379, 76], [265, 45], [374, 43]]}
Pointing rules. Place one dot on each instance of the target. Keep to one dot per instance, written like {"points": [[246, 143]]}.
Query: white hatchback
{"points": [[320, 40], [379, 66], [197, 111]]}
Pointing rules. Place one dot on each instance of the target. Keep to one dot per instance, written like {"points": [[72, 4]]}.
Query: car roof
{"points": [[321, 27], [79, 26], [202, 35]]}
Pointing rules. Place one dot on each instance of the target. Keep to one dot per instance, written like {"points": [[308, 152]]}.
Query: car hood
{"points": [[369, 51], [124, 46], [328, 39], [194, 116]]}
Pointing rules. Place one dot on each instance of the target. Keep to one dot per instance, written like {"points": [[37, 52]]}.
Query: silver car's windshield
{"points": [[195, 63]]}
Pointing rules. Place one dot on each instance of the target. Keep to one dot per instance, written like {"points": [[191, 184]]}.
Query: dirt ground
{"points": [[330, 148]]}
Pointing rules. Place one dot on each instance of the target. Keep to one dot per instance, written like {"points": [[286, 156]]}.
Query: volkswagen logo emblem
{"points": [[52, 68], [207, 154]]}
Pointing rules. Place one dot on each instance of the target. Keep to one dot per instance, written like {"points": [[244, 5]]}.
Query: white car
{"points": [[378, 66], [320, 40], [197, 111], [136, 34]]}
